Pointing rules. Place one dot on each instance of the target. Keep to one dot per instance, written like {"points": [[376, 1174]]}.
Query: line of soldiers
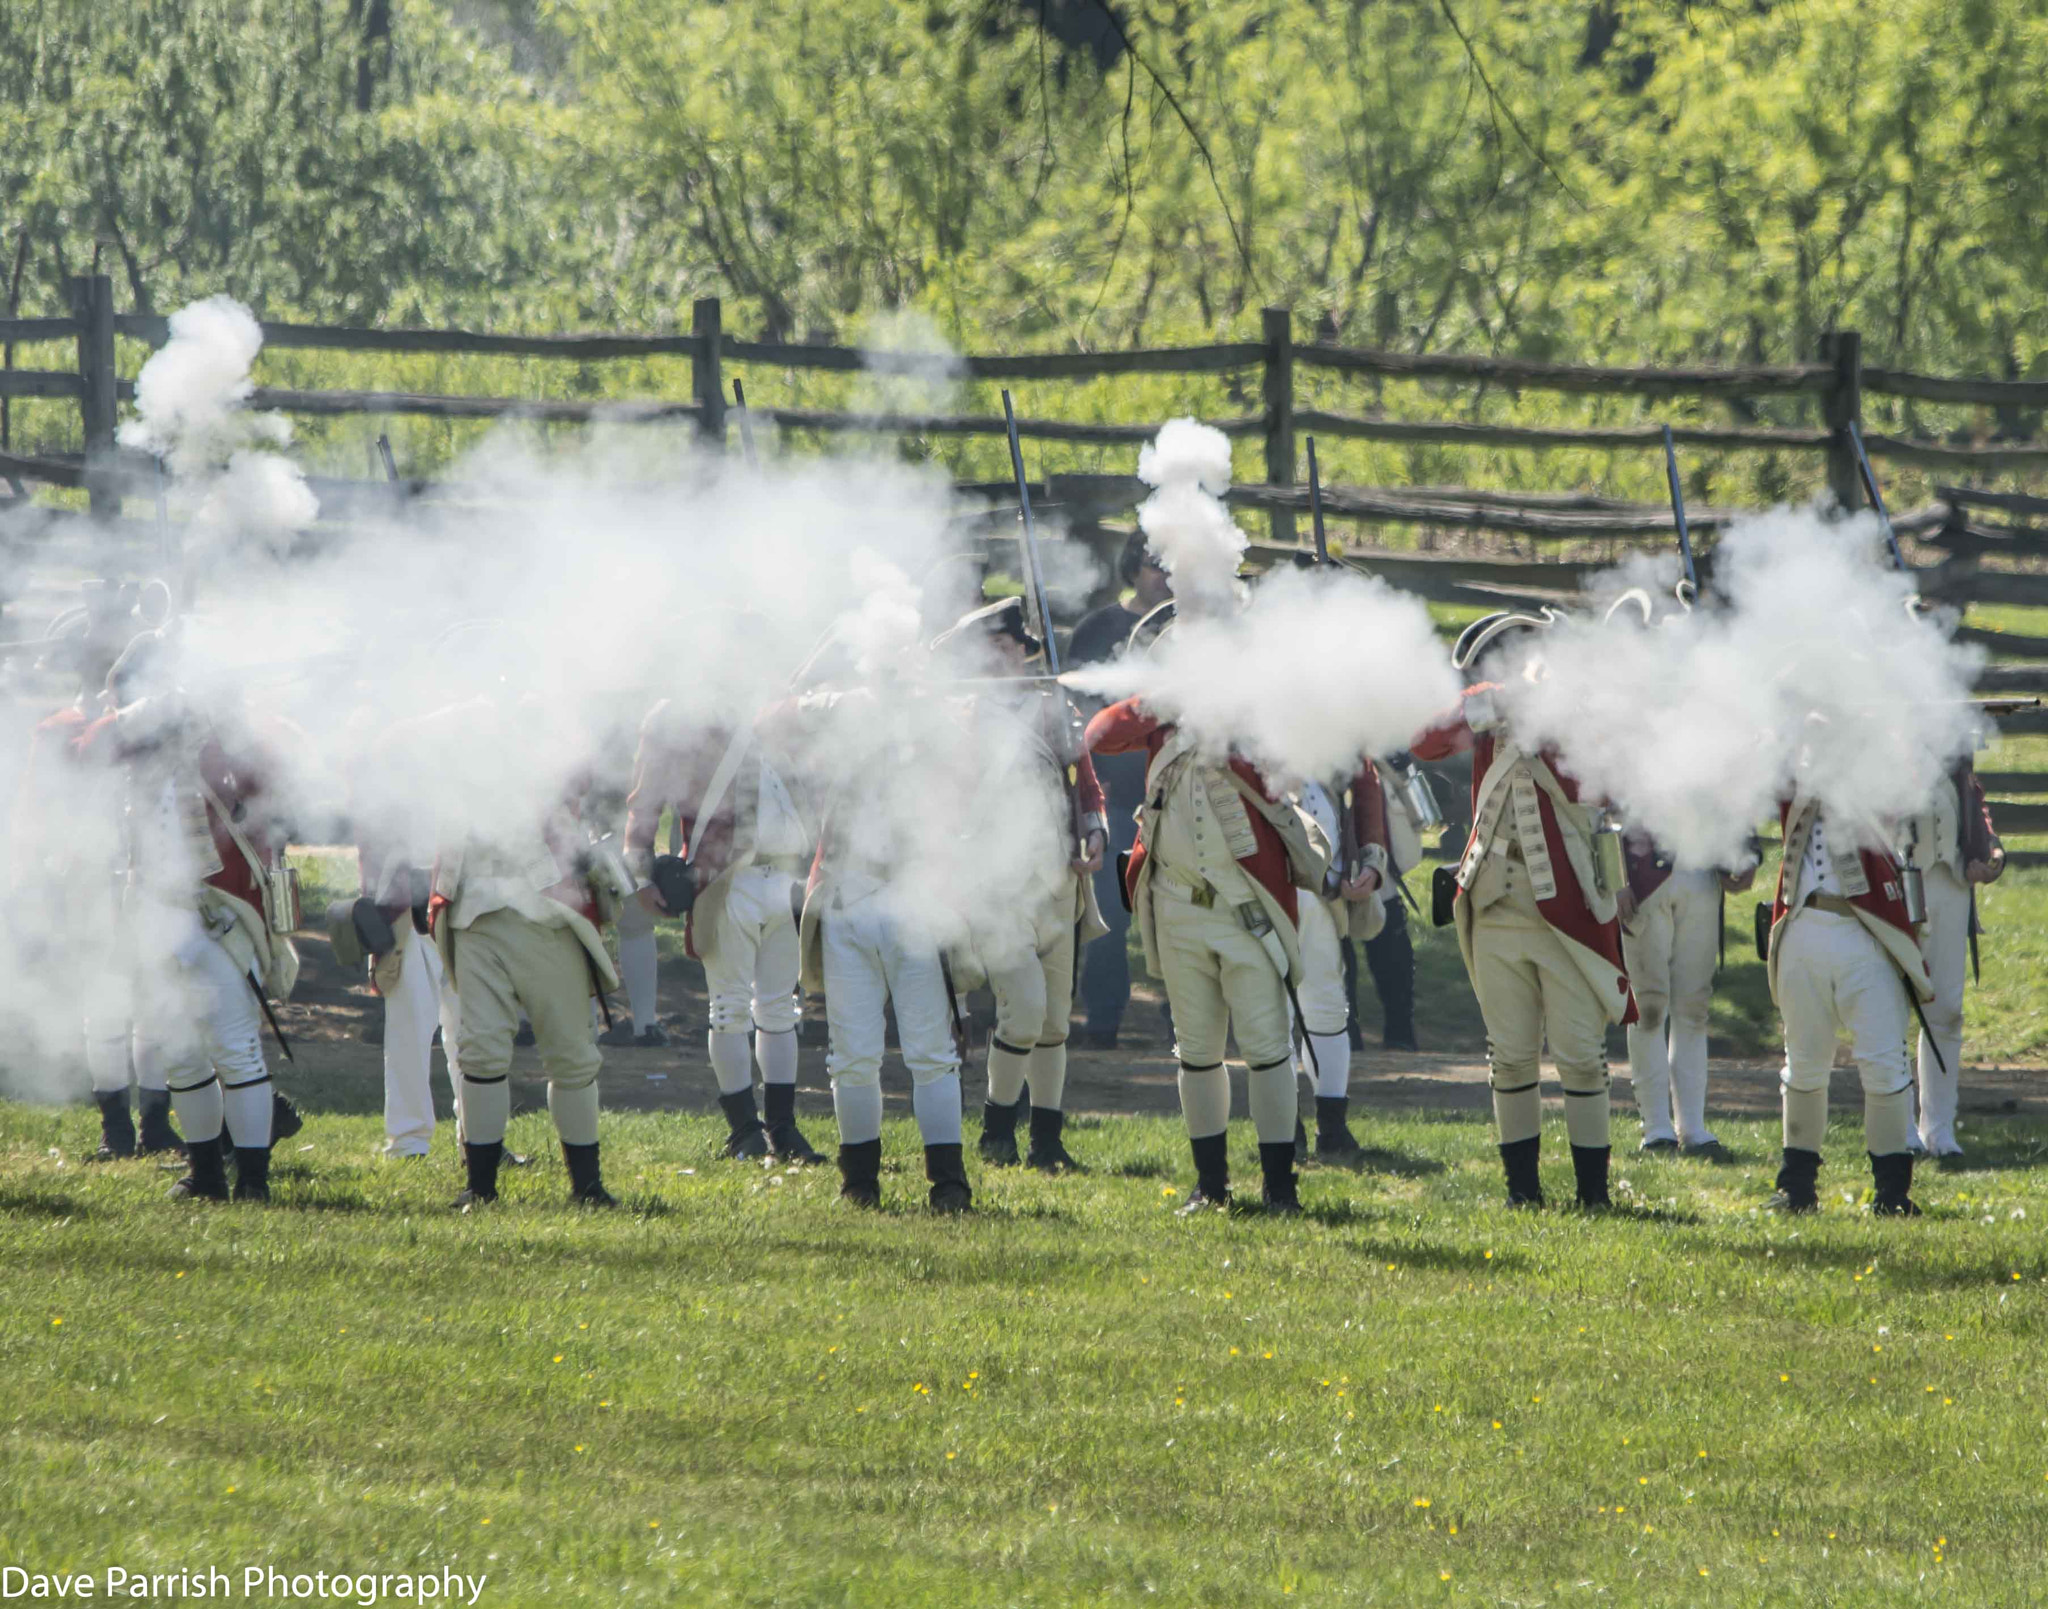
{"points": [[799, 858], [1566, 931]]}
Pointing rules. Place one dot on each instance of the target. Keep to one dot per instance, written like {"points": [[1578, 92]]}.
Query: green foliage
{"points": [[1631, 183], [736, 1392]]}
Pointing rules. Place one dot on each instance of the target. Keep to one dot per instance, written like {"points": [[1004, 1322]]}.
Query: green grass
{"points": [[739, 1392]]}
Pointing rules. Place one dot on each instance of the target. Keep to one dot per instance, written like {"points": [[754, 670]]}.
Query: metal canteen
{"points": [[1610, 869], [1422, 805], [1913, 883]]}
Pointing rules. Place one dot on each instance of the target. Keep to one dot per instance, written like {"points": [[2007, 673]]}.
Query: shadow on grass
{"points": [[2005, 1156], [1438, 1258], [1138, 1168], [26, 1204], [1903, 1271], [1378, 1159]]}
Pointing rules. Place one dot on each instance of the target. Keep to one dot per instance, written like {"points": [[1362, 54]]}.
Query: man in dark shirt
{"points": [[1101, 635]]}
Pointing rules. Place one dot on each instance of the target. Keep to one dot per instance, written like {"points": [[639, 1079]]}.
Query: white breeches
{"points": [[1034, 987], [1324, 1008], [1835, 979], [1946, 943], [198, 1019], [1671, 950], [875, 957], [751, 957], [113, 1047], [412, 1010]]}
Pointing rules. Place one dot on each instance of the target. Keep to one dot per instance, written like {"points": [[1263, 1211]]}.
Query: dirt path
{"points": [[338, 1070]]}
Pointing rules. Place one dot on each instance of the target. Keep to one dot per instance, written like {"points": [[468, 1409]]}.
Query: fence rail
{"points": [[1836, 381]]}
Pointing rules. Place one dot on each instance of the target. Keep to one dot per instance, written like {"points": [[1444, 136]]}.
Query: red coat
{"points": [[1127, 726], [1568, 910], [238, 780], [1886, 900]]}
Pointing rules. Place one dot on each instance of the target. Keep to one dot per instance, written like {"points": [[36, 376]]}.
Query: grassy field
{"points": [[738, 1392]]}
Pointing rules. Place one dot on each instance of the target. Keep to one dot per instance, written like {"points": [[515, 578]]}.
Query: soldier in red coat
{"points": [[1954, 846], [1536, 923], [1214, 882], [1844, 958], [207, 914], [66, 846], [752, 843], [1350, 905]]}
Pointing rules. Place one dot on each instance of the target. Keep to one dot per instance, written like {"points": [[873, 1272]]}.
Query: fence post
{"points": [[1279, 396], [1842, 406], [92, 304], [707, 371]]}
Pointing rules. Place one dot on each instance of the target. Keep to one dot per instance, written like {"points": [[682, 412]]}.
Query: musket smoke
{"points": [[1805, 671]]}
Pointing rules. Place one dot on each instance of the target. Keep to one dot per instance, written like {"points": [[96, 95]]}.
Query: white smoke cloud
{"points": [[1804, 671], [1198, 543], [554, 606], [1320, 669], [190, 393], [190, 400]]}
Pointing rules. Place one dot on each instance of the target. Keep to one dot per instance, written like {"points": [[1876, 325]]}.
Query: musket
{"points": [[1692, 575], [1315, 506], [1909, 872], [1884, 519], [1347, 823], [390, 463], [1070, 747], [739, 397], [263, 1000]]}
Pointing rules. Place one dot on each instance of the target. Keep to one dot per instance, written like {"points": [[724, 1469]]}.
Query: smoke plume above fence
{"points": [[1804, 672]]}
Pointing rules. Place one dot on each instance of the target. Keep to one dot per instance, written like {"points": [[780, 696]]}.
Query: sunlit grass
{"points": [[737, 1392]]}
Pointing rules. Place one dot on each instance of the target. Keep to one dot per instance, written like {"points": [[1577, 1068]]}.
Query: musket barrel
{"points": [[1315, 505], [1678, 512]]}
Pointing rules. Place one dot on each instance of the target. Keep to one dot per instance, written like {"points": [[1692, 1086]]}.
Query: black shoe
{"points": [[252, 1173], [1276, 1163], [480, 1162], [619, 1036], [285, 1119], [1893, 1177], [525, 1035], [1706, 1151], [1334, 1142], [1652, 1147], [1300, 1141], [206, 1177], [1048, 1153], [1589, 1168], [1525, 1183], [748, 1140], [117, 1128], [1212, 1174], [586, 1185], [157, 1135], [651, 1037], [786, 1143], [947, 1173], [860, 1173], [998, 1147], [1796, 1176]]}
